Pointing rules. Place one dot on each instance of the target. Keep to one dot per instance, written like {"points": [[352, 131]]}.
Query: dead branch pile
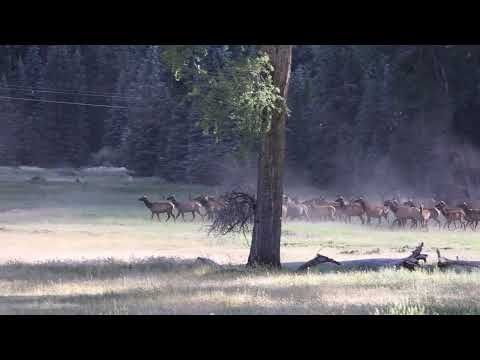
{"points": [[444, 263], [411, 262], [236, 216]]}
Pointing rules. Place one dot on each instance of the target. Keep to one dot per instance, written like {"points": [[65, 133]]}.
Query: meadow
{"points": [[91, 248]]}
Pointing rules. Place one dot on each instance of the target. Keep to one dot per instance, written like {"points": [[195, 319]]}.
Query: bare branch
{"points": [[236, 216]]}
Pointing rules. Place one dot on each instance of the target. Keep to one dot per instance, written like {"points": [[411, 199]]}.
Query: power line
{"points": [[9, 83], [64, 102], [64, 92]]}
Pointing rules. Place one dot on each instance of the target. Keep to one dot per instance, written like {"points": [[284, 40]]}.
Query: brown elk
{"points": [[432, 212], [373, 211], [186, 207], [425, 215], [350, 210], [284, 212], [158, 208], [322, 212], [451, 215], [294, 209], [211, 205], [472, 216], [402, 213], [323, 202], [320, 209]]}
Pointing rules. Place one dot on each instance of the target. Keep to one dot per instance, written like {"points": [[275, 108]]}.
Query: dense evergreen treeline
{"points": [[361, 117], [384, 117]]}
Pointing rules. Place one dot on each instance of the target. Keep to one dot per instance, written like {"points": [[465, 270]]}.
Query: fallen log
{"points": [[444, 263], [208, 262], [411, 262], [319, 259]]}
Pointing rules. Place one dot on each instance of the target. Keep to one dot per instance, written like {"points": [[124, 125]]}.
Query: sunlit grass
{"points": [[136, 273], [163, 286]]}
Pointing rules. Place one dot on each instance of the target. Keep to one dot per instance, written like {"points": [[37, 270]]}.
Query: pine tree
{"points": [[9, 119], [29, 75], [56, 121], [298, 131], [77, 149], [117, 121], [103, 63], [201, 156], [148, 115], [116, 124], [37, 147], [174, 156]]}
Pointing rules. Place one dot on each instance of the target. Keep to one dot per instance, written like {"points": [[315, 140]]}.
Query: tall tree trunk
{"points": [[265, 247]]}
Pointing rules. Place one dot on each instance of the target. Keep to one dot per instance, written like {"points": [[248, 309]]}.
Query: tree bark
{"points": [[265, 247]]}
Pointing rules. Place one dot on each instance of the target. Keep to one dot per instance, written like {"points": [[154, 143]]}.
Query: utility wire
{"points": [[64, 102], [66, 92], [12, 84]]}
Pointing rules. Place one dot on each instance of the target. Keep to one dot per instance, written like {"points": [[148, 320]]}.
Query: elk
{"points": [[472, 216], [425, 215], [186, 207], [211, 205], [158, 208], [402, 213], [284, 212], [451, 215], [373, 211], [294, 209], [321, 201], [350, 210], [433, 213], [322, 212]]}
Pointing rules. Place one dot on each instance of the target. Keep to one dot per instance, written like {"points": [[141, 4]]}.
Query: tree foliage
{"points": [[237, 90]]}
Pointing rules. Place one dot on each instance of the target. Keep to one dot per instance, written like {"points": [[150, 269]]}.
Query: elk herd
{"points": [[396, 213], [205, 206], [415, 214]]}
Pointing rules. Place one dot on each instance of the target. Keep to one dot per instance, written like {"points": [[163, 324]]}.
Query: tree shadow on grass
{"points": [[191, 301], [224, 299], [188, 287], [98, 269]]}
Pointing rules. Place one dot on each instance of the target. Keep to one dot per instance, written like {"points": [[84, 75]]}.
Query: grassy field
{"points": [[91, 248]]}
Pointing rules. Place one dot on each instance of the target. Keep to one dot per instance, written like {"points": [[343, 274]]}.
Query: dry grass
{"points": [[112, 259], [166, 286]]}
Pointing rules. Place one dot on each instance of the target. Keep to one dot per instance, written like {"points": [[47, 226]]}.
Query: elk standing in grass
{"points": [[323, 202], [451, 215], [284, 212], [350, 210], [425, 215], [211, 205], [157, 208], [295, 210], [402, 213], [472, 216], [321, 212], [432, 211], [373, 211], [186, 207]]}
